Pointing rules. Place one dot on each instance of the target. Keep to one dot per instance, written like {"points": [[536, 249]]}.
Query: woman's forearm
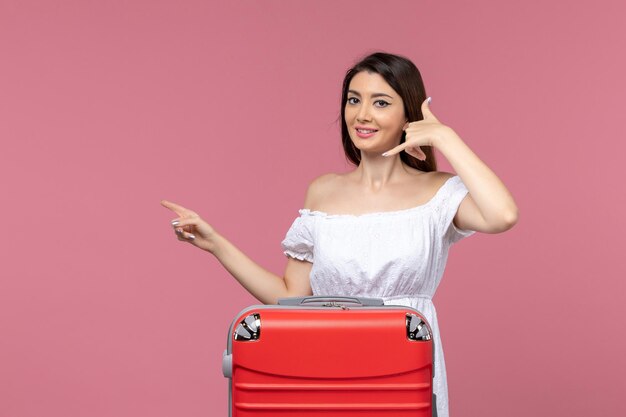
{"points": [[191, 228], [261, 283], [489, 193]]}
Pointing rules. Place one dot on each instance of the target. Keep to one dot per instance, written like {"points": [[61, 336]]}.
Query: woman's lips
{"points": [[365, 133]]}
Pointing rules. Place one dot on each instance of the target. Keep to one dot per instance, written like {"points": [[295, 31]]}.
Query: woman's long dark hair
{"points": [[404, 77]]}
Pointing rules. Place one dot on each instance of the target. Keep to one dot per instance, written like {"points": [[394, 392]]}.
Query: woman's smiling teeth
{"points": [[365, 133]]}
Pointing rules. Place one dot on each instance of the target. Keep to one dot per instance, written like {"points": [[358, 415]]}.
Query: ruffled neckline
{"points": [[437, 196]]}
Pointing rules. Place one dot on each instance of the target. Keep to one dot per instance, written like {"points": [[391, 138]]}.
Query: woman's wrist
{"points": [[447, 136], [215, 244]]}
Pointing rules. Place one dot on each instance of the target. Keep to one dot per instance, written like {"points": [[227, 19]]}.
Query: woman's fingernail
{"points": [[429, 99], [175, 222], [179, 231], [386, 154], [192, 237]]}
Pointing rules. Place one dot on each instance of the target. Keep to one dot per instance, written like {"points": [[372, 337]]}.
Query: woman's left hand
{"points": [[421, 133]]}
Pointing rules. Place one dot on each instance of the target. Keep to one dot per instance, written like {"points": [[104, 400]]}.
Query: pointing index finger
{"points": [[180, 210], [395, 150]]}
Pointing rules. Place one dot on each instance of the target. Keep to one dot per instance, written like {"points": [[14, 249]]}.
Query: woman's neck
{"points": [[376, 171]]}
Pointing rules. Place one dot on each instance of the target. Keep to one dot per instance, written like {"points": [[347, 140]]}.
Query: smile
{"points": [[365, 133]]}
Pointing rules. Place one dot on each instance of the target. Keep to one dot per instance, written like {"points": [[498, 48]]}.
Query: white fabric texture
{"points": [[398, 256]]}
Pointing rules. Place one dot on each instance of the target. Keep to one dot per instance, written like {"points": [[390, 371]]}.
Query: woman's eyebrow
{"points": [[356, 93]]}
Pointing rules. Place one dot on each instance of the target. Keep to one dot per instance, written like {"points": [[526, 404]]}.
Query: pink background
{"points": [[230, 108]]}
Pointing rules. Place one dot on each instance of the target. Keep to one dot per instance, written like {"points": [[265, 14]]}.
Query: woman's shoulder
{"points": [[438, 178], [326, 180], [427, 182], [321, 187]]}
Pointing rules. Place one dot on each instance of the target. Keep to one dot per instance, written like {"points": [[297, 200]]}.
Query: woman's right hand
{"points": [[191, 228]]}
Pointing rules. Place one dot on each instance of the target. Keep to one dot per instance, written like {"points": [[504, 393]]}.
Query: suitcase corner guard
{"points": [[249, 328], [417, 328]]}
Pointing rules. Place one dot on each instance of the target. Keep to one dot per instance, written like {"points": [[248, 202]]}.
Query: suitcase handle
{"points": [[330, 301]]}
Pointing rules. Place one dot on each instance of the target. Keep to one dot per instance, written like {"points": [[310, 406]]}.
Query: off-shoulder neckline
{"points": [[381, 213]]}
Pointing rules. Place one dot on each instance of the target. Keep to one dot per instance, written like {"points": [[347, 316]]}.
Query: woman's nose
{"points": [[364, 114]]}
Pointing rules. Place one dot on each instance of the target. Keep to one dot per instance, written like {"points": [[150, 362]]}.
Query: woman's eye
{"points": [[353, 100], [381, 103]]}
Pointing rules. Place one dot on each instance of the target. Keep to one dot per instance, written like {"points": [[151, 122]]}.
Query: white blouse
{"points": [[398, 256]]}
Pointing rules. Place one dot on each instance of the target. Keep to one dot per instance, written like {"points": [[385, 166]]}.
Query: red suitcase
{"points": [[321, 356]]}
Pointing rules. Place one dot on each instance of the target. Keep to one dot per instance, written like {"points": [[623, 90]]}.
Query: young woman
{"points": [[383, 229]]}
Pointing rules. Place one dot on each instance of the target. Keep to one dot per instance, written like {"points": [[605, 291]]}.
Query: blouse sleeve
{"points": [[451, 201], [299, 242]]}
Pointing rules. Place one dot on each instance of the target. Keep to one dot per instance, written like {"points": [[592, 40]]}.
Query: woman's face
{"points": [[374, 113]]}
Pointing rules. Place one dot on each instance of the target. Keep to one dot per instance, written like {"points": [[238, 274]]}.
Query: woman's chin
{"points": [[372, 149], [372, 152]]}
